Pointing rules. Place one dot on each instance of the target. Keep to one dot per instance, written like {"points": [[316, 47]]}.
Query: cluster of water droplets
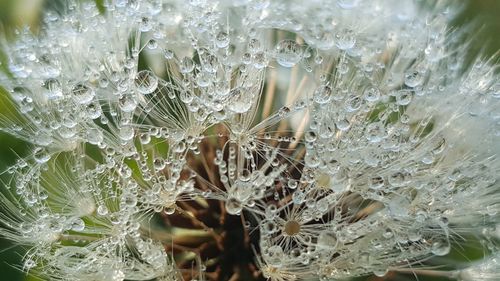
{"points": [[339, 131]]}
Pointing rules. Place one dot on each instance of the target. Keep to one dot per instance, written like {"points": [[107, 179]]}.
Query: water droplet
{"points": [[288, 53], [145, 138], [345, 39], [441, 247], [146, 82], [414, 78], [126, 133], [82, 93], [94, 136], [310, 136], [239, 101], [375, 132], [102, 210], [54, 89], [159, 164], [186, 65], [343, 125], [222, 39], [371, 94], [380, 272], [398, 179], [259, 60], [78, 225], [347, 4], [127, 103], [41, 155], [403, 97], [152, 44], [29, 263], [233, 206], [26, 105], [145, 24], [168, 54], [323, 94]]}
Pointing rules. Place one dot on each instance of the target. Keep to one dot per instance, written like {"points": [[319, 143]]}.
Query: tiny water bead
{"points": [[288, 53], [146, 82]]}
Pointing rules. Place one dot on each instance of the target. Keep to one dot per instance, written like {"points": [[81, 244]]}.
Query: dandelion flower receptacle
{"points": [[250, 140]]}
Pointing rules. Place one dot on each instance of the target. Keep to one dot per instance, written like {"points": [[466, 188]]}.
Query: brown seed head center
{"points": [[291, 228]]}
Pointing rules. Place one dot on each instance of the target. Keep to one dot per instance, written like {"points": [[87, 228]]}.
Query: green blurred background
{"points": [[485, 14]]}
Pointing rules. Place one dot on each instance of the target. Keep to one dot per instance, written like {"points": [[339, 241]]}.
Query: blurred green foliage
{"points": [[481, 15]]}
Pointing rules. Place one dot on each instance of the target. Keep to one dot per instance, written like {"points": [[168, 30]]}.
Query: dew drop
{"points": [[41, 155], [441, 247], [414, 78], [347, 4], [323, 94], [126, 133], [78, 225], [345, 39], [288, 53], [233, 206], [146, 82], [94, 136], [376, 182], [82, 93], [239, 101], [152, 44], [102, 210], [222, 40], [145, 138], [403, 97], [54, 89], [371, 94], [186, 65], [127, 103], [29, 264], [168, 54]]}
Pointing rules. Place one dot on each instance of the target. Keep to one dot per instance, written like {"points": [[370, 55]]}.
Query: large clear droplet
{"points": [[345, 39], [414, 78], [186, 65], [441, 247], [233, 206], [41, 155], [127, 103], [239, 101], [82, 93], [323, 94], [289, 53], [146, 82], [126, 133], [222, 40]]}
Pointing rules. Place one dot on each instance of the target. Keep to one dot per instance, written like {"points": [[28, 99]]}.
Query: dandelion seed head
{"points": [[319, 140]]}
